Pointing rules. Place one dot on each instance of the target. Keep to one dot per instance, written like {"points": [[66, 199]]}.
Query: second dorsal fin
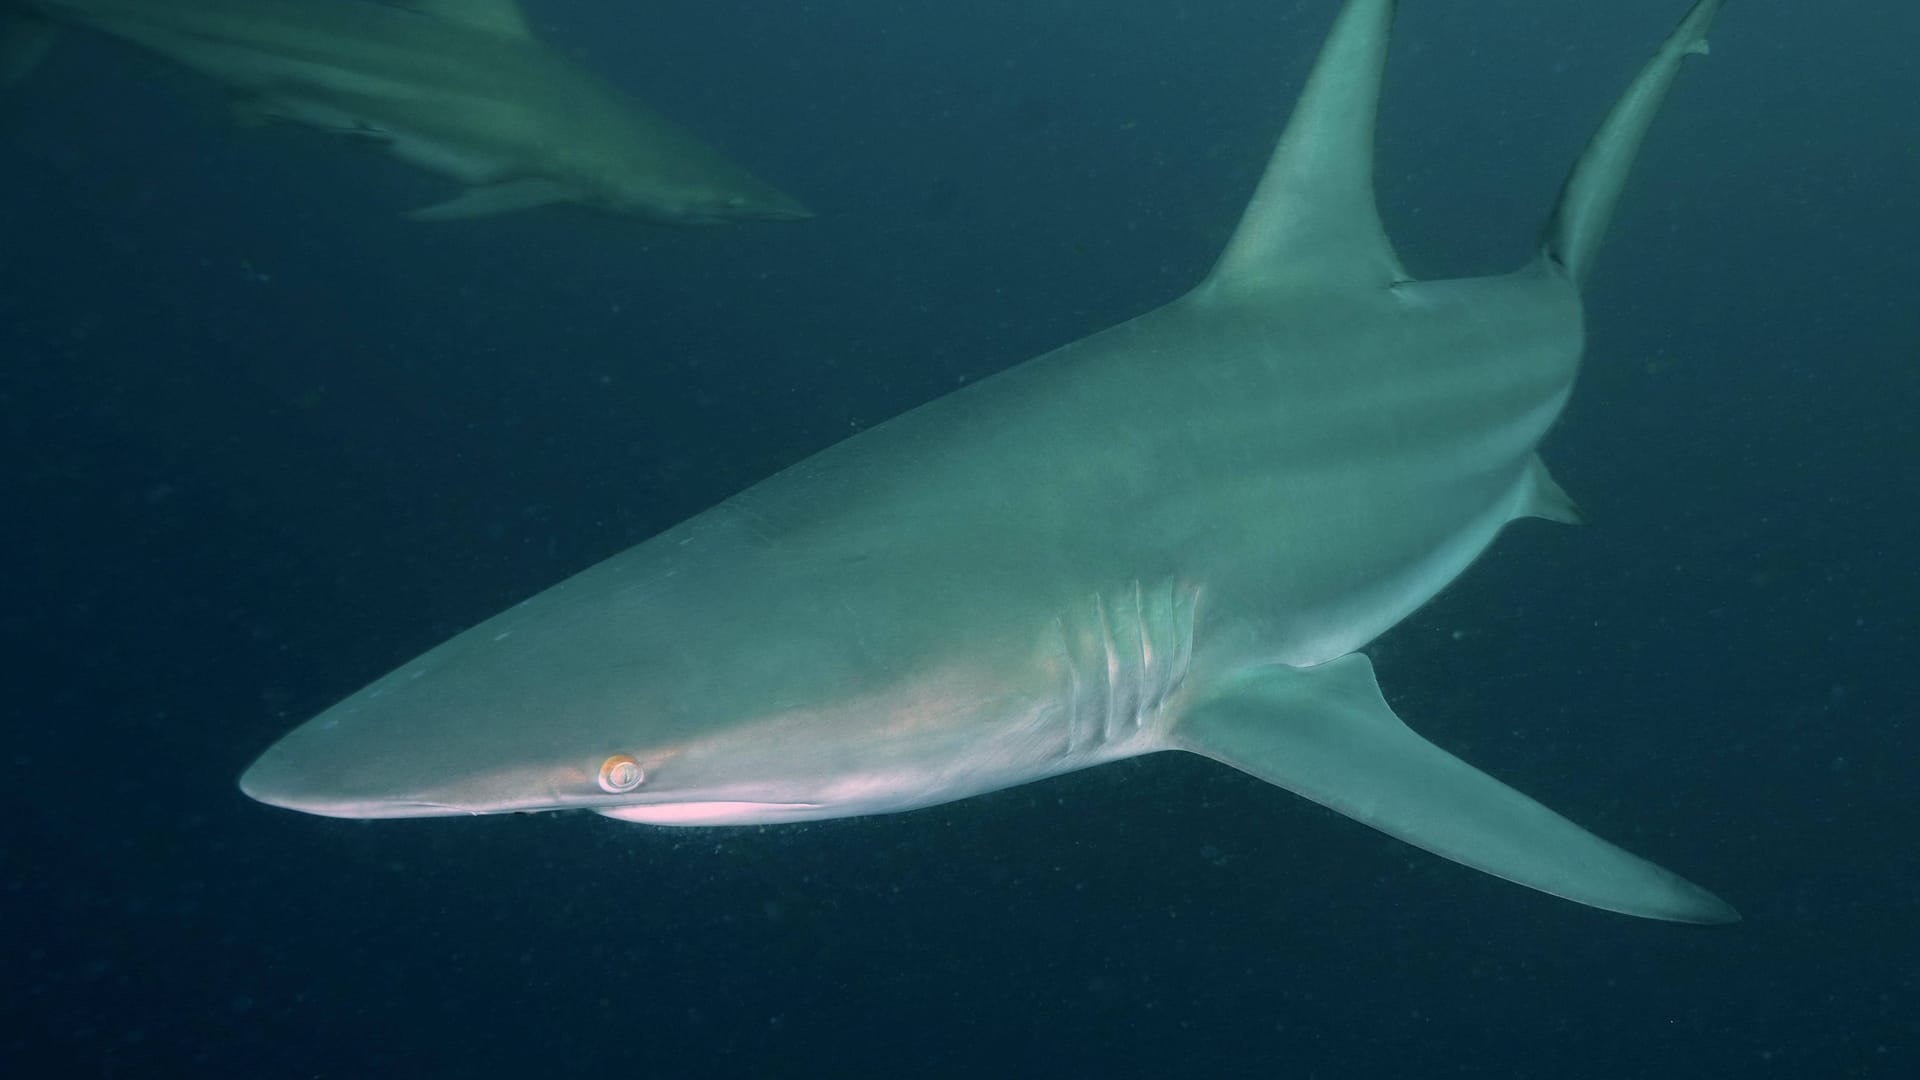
{"points": [[1312, 220]]}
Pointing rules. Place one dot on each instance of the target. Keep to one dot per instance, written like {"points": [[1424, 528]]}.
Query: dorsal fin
{"points": [[498, 16], [1313, 218]]}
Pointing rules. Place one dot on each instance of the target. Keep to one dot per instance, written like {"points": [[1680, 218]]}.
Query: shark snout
{"points": [[316, 769], [746, 199], [741, 208], [276, 779]]}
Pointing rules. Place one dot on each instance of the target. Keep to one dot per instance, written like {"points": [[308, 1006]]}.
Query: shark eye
{"points": [[620, 773]]}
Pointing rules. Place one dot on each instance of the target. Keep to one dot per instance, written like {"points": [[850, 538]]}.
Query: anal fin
{"points": [[1326, 733], [1544, 498]]}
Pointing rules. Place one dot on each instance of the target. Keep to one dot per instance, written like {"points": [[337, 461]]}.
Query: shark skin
{"points": [[1171, 535], [460, 88]]}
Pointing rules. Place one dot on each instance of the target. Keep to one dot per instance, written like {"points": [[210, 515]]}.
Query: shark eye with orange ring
{"points": [[620, 773]]}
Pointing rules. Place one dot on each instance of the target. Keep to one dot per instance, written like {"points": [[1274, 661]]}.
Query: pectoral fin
{"points": [[1326, 733], [494, 199]]}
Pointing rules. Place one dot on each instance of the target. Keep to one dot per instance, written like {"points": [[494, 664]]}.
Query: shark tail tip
{"points": [[1593, 187]]}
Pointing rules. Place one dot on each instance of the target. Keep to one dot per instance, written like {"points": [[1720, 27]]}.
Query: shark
{"points": [[459, 88], [1176, 534]]}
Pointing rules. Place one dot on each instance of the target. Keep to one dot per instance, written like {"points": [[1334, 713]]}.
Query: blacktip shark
{"points": [[461, 88], [1171, 535]]}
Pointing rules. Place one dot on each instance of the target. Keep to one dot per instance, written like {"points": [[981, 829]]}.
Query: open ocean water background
{"points": [[264, 440]]}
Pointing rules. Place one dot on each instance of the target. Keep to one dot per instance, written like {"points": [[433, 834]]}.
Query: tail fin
{"points": [[24, 39], [1587, 200]]}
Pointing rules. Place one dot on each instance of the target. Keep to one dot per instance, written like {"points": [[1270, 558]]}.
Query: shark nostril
{"points": [[620, 774]]}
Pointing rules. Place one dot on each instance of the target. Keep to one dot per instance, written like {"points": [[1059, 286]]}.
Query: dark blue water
{"points": [[264, 440]]}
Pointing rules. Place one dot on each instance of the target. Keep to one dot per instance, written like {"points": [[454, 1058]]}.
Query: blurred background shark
{"points": [[460, 88]]}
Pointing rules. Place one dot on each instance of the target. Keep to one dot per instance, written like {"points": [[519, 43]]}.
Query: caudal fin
{"points": [[24, 40], [1593, 187]]}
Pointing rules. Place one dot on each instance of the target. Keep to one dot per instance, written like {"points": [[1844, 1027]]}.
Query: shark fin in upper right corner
{"points": [[1592, 189], [24, 41]]}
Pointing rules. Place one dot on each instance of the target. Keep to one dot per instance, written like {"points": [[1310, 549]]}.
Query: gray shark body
{"points": [[1172, 535], [458, 87]]}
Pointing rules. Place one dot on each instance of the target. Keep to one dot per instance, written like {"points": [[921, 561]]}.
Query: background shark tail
{"points": [[24, 40], [1587, 200]]}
